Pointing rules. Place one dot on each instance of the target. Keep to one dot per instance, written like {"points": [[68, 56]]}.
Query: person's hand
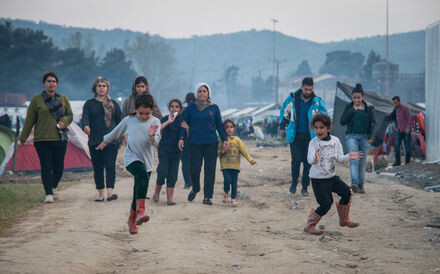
{"points": [[180, 145], [317, 155], [101, 146], [283, 133], [62, 124], [87, 130], [370, 141], [184, 125], [170, 118], [225, 145], [356, 155], [254, 162], [152, 130], [407, 130]]}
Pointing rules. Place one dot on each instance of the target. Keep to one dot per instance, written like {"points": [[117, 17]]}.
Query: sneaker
{"points": [[304, 192], [361, 190], [354, 188], [207, 201], [49, 199], [191, 196], [186, 187], [55, 194], [396, 164]]}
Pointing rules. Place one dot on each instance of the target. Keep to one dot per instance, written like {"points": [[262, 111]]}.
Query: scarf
{"points": [[201, 106], [108, 106], [55, 108]]}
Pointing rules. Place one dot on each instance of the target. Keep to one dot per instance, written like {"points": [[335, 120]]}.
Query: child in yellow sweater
{"points": [[230, 161]]}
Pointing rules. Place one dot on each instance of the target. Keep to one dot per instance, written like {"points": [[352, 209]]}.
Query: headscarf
{"points": [[203, 105]]}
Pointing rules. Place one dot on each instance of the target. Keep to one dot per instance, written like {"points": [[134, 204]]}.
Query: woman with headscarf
{"points": [[204, 119], [101, 115], [140, 86]]}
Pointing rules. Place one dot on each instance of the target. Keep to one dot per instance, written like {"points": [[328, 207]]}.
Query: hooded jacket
{"points": [[289, 113]]}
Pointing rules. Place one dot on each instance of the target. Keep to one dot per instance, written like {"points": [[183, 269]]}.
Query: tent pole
{"points": [[17, 133]]}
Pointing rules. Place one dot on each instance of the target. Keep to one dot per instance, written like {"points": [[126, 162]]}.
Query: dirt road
{"points": [[263, 235]]}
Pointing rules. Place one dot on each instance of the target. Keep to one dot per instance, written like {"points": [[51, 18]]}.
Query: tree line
{"points": [[26, 54]]}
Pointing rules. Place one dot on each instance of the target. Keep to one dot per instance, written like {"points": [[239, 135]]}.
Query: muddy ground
{"points": [[399, 231]]}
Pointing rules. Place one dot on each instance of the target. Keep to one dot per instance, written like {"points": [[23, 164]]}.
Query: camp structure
{"points": [[382, 105], [77, 154]]}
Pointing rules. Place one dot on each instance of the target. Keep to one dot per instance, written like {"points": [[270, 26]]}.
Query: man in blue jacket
{"points": [[296, 114]]}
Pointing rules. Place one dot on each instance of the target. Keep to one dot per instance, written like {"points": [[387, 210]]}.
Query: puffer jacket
{"points": [[289, 113]]}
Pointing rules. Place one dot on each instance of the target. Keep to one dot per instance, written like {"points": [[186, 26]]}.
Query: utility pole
{"points": [[275, 65], [387, 68]]}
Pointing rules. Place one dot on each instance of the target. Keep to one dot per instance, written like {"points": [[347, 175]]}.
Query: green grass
{"points": [[16, 199]]}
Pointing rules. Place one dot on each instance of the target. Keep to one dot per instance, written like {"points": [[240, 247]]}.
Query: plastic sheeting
{"points": [[432, 93]]}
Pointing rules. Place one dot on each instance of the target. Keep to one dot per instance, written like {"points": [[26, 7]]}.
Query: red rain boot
{"points": [[344, 219], [140, 210], [311, 223], [132, 222]]}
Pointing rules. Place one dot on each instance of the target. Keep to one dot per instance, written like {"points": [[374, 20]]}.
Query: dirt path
{"points": [[263, 235]]}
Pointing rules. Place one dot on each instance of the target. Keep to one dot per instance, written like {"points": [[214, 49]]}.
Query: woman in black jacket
{"points": [[361, 126], [101, 115]]}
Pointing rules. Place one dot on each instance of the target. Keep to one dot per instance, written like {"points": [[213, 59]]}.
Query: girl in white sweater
{"points": [[324, 151]]}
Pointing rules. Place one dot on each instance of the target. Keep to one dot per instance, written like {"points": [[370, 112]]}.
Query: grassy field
{"points": [[16, 199]]}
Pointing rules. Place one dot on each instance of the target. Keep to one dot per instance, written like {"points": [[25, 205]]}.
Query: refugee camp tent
{"points": [[7, 137], [382, 105], [77, 154], [432, 92]]}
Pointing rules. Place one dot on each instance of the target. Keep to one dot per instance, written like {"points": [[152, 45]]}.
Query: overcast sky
{"points": [[316, 20]]}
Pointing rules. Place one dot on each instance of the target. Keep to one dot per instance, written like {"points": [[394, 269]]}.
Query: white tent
{"points": [[432, 91]]}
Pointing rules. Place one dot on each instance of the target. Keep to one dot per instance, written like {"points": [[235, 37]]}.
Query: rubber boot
{"points": [[157, 193], [344, 219], [170, 191], [140, 210], [132, 222], [311, 223]]}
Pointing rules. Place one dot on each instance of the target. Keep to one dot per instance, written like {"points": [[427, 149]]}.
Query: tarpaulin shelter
{"points": [[382, 105], [77, 154]]}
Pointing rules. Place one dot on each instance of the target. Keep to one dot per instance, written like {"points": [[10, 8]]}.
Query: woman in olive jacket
{"points": [[51, 114]]}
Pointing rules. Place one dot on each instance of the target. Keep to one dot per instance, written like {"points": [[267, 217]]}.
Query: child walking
{"points": [[168, 151], [324, 151], [230, 161], [143, 136]]}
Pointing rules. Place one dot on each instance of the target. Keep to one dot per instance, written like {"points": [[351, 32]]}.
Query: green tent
{"points": [[7, 137]]}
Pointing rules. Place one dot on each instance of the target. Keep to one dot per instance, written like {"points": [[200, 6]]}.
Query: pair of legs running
{"points": [[323, 189], [137, 208]]}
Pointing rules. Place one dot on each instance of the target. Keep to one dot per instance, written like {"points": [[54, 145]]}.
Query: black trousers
{"points": [[104, 159], [186, 158], [51, 155], [168, 168], [323, 189], [298, 152], [206, 154]]}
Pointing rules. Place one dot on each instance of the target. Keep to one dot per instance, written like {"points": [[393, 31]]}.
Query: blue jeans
{"points": [[407, 140], [358, 142], [230, 177]]}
